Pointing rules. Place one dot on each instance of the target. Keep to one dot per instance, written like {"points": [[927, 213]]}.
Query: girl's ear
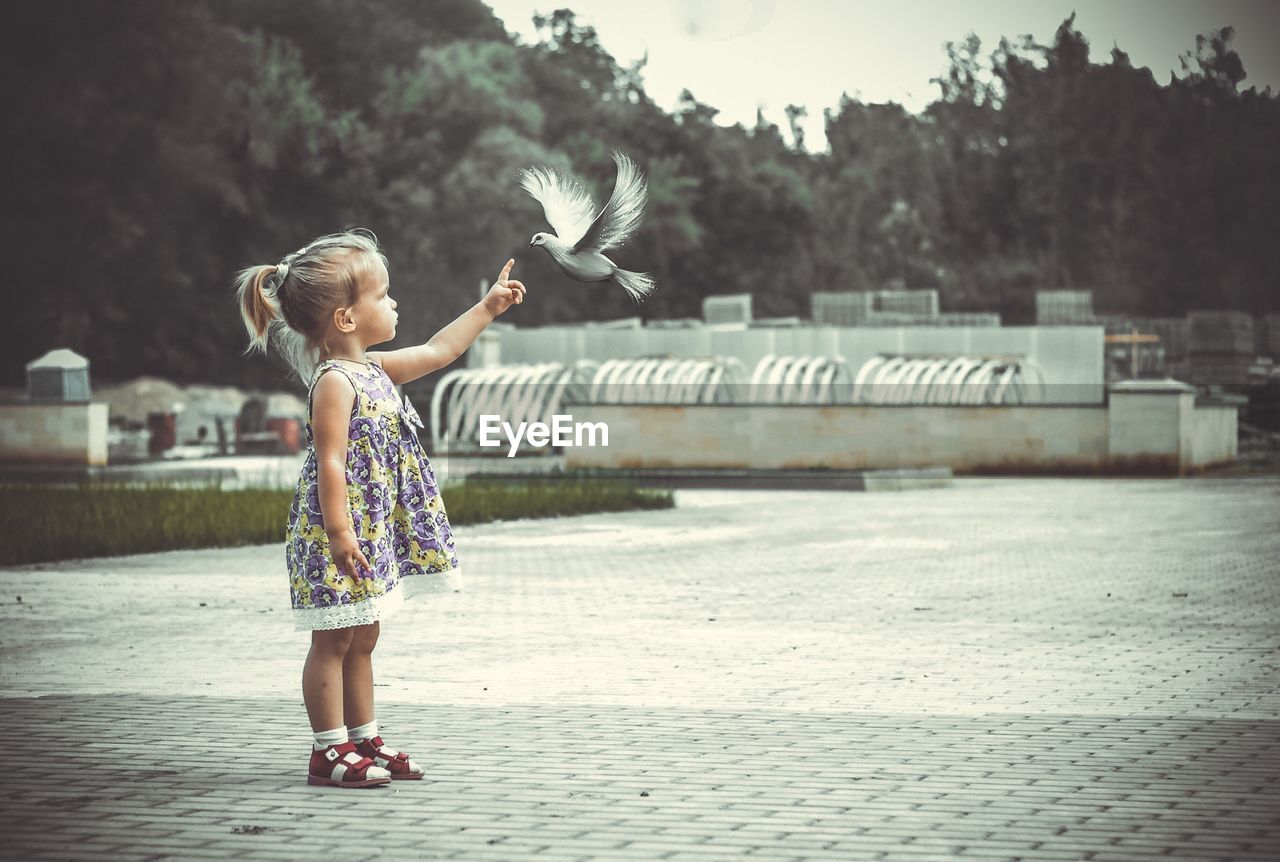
{"points": [[343, 319]]}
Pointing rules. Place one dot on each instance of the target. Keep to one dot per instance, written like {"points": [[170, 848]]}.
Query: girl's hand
{"points": [[504, 293], [346, 554]]}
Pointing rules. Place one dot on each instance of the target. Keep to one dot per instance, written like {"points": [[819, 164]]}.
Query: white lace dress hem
{"points": [[378, 607]]}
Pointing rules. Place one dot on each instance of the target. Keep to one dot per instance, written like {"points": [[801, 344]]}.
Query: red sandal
{"points": [[395, 762], [342, 766]]}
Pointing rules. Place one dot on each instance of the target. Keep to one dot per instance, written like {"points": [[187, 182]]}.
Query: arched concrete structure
{"points": [[517, 393], [534, 392], [800, 380], [888, 379]]}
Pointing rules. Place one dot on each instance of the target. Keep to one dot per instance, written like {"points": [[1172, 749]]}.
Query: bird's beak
{"points": [[530, 243]]}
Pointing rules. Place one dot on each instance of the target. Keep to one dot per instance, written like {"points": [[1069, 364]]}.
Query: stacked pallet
{"points": [[1115, 324], [735, 308], [920, 304], [848, 308], [1219, 347], [1221, 332], [1059, 307], [875, 308], [968, 318], [895, 318], [1271, 336], [674, 323], [620, 323]]}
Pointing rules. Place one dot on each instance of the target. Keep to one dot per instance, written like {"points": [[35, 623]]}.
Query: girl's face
{"points": [[375, 310]]}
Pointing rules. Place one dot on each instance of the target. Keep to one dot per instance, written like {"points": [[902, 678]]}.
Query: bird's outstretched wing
{"points": [[566, 204], [621, 215]]}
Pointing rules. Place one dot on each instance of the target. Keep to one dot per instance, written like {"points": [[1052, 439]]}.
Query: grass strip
{"points": [[44, 523]]}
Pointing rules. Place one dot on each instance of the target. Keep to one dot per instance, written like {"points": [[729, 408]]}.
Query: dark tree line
{"points": [[155, 147]]}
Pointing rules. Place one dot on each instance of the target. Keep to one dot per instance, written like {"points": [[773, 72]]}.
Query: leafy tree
{"points": [[164, 145]]}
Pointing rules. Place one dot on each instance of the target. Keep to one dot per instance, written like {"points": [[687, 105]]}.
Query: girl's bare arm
{"points": [[410, 363], [331, 403]]}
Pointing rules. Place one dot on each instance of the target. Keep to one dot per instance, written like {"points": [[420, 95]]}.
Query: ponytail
{"points": [[257, 307]]}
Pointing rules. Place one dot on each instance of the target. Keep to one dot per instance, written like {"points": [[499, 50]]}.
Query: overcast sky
{"points": [[738, 55]]}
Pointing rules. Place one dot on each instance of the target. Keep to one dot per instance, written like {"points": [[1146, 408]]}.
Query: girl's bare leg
{"points": [[322, 677], [357, 676]]}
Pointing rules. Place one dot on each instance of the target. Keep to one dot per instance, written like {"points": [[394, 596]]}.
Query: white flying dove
{"points": [[579, 239]]}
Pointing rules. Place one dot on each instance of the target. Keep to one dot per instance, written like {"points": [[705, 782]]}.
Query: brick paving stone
{"points": [[886, 676], [713, 854]]}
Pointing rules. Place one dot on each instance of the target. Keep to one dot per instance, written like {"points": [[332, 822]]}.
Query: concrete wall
{"points": [[1155, 426], [968, 439], [1148, 427], [1071, 356], [54, 433], [1150, 431], [1213, 435]]}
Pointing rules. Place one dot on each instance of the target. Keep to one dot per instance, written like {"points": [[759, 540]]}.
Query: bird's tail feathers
{"points": [[626, 205], [638, 284]]}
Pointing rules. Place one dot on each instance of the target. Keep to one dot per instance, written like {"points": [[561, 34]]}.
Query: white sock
{"points": [[326, 738], [363, 731]]}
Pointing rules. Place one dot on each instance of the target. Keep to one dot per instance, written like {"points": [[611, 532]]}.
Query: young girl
{"points": [[367, 527]]}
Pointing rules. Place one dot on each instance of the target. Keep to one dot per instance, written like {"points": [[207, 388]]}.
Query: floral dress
{"points": [[395, 507]]}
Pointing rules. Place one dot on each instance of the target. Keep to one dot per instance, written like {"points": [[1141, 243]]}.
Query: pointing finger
{"points": [[506, 269]]}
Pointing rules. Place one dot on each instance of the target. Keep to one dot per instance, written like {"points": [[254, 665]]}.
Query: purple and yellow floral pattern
{"points": [[395, 507]]}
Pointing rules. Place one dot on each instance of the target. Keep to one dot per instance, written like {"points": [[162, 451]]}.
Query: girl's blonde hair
{"points": [[291, 302]]}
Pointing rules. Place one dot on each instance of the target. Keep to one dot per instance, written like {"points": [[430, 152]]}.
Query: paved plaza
{"points": [[1008, 668]]}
